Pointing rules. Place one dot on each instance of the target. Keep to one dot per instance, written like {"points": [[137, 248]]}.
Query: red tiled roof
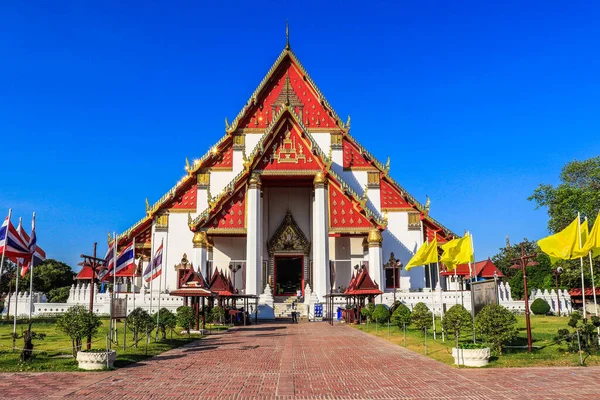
{"points": [[588, 292], [363, 285], [220, 284], [85, 273], [481, 269]]}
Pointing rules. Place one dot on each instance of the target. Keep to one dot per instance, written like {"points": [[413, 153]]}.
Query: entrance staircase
{"points": [[283, 306]]}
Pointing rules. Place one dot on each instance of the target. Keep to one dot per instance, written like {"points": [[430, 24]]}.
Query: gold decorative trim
{"points": [[358, 231], [243, 131], [221, 168], [162, 221], [199, 239], [181, 210], [375, 239], [397, 209], [303, 172], [373, 179], [203, 179], [336, 140], [288, 238], [143, 245], [223, 231], [370, 168]]}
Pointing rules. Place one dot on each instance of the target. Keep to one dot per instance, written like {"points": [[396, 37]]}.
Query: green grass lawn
{"points": [[54, 351], [546, 352]]}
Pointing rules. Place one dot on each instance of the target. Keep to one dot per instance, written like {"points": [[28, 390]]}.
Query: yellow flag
{"points": [[465, 254], [593, 240], [453, 249], [582, 251], [561, 245], [426, 254]]}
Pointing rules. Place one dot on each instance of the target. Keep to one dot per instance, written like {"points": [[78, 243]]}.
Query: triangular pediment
{"points": [[288, 238], [287, 82]]}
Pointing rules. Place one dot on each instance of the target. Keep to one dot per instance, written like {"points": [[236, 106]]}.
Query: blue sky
{"points": [[475, 103]]}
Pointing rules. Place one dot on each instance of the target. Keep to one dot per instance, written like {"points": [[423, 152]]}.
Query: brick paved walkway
{"points": [[308, 360]]}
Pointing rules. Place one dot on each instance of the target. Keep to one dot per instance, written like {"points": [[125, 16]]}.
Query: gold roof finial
{"points": [[387, 165], [385, 219], [427, 204], [287, 35], [190, 221], [147, 206], [348, 122], [364, 197], [110, 239], [226, 124], [188, 167]]}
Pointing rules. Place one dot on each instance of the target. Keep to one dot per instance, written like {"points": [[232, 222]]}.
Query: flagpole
{"points": [[5, 242], [581, 264], [159, 291], [151, 265], [31, 273], [114, 272], [593, 283], [16, 299]]}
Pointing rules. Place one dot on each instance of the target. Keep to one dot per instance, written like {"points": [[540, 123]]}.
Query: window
{"points": [[392, 278], [414, 221]]}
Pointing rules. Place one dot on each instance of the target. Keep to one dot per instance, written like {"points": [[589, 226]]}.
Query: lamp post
{"points": [[95, 264], [393, 264], [557, 273], [522, 263]]}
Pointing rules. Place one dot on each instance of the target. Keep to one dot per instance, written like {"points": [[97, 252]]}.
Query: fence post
{"points": [[425, 340], [107, 350]]}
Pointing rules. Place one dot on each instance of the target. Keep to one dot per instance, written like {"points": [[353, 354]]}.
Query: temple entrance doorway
{"points": [[289, 275]]}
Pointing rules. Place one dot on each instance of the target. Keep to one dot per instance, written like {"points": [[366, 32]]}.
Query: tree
{"points": [[7, 281], [584, 334], [60, 295], [578, 190], [166, 320], [139, 321], [28, 336], [421, 317], [496, 325], [185, 317], [381, 314], [48, 275], [401, 316], [217, 314], [456, 320], [540, 307], [78, 323]]}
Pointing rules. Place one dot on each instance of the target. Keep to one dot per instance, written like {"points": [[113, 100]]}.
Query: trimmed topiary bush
{"points": [[540, 307], [381, 314], [401, 316], [367, 311], [456, 320], [421, 317], [496, 325]]}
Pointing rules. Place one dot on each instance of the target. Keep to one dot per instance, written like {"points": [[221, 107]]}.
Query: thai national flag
{"points": [[11, 243], [109, 258], [125, 258], [25, 238], [153, 271]]}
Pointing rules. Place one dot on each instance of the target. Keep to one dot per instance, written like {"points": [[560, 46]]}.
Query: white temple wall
{"points": [[356, 250], [323, 139], [278, 200], [229, 250], [251, 140], [179, 241], [397, 238], [218, 181], [340, 252]]}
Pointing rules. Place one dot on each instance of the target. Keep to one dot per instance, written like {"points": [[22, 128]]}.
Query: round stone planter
{"points": [[92, 360], [471, 357]]}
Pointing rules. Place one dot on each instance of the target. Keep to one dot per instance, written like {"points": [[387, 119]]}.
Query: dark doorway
{"points": [[289, 275]]}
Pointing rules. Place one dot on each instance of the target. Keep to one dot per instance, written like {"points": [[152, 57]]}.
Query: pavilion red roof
{"points": [[85, 273], [192, 278], [481, 269], [362, 284], [220, 284]]}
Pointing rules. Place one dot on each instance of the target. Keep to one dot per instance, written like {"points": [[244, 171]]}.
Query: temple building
{"points": [[287, 198]]}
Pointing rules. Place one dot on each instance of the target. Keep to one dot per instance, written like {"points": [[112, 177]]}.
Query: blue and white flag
{"points": [[154, 268], [11, 243], [125, 258]]}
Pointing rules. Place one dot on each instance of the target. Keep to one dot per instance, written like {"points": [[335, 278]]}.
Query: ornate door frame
{"points": [[288, 240]]}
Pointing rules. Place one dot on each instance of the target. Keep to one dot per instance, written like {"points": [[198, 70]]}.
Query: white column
{"points": [[320, 238], [253, 236], [376, 258], [200, 255]]}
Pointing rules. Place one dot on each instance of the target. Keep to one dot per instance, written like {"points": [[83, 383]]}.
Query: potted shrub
{"points": [[78, 323], [471, 355], [185, 317], [456, 320]]}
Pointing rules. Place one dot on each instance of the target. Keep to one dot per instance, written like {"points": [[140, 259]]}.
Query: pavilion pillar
{"points": [[320, 238], [253, 235], [375, 241], [199, 252]]}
